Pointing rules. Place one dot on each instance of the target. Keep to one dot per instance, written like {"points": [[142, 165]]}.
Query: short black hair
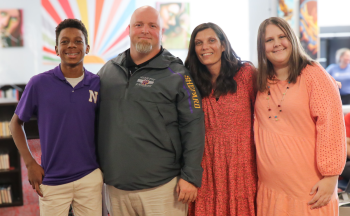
{"points": [[71, 23]]}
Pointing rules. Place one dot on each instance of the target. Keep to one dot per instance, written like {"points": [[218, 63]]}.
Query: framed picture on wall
{"points": [[175, 23], [11, 28], [286, 10], [309, 30]]}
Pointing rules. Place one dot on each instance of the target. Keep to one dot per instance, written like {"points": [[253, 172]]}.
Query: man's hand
{"points": [[186, 191], [35, 176], [325, 189]]}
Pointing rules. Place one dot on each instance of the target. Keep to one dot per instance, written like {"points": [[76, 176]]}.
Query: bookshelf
{"points": [[12, 177]]}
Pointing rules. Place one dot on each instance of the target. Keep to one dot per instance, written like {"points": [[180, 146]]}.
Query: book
{"points": [[9, 194], [5, 129], [4, 161], [5, 194]]}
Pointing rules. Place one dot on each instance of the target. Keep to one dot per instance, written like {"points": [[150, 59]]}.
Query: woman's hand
{"points": [[325, 189]]}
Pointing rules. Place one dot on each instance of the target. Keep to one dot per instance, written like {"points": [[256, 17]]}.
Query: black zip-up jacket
{"points": [[151, 124]]}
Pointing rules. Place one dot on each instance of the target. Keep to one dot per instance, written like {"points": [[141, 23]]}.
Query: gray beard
{"points": [[143, 47]]}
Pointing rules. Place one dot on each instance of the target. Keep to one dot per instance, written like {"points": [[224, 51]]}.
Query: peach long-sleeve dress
{"points": [[306, 143]]}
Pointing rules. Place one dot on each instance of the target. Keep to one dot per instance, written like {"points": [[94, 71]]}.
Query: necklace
{"points": [[279, 106]]}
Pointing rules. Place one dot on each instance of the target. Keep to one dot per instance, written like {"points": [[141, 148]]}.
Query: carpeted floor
{"points": [[30, 198]]}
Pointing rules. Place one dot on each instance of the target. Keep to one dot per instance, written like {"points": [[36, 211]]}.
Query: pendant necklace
{"points": [[279, 106]]}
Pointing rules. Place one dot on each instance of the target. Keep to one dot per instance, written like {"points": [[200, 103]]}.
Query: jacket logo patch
{"points": [[145, 82], [93, 95], [194, 95]]}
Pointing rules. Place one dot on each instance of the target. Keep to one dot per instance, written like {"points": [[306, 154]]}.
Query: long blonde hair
{"points": [[298, 59]]}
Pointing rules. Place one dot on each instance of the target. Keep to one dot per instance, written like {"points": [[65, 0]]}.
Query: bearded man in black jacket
{"points": [[151, 126]]}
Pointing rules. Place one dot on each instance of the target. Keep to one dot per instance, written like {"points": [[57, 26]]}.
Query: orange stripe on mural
{"points": [[45, 49], [121, 37], [67, 9], [112, 12], [49, 8], [99, 6]]}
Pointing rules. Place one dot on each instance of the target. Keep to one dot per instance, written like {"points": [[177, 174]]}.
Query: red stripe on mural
{"points": [[121, 37], [67, 9], [99, 6], [49, 8], [45, 49]]}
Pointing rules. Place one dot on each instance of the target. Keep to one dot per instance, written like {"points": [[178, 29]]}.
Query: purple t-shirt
{"points": [[66, 121]]}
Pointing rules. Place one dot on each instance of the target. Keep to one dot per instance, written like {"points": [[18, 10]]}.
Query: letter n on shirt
{"points": [[93, 95]]}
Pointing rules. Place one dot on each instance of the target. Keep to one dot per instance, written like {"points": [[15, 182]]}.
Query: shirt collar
{"points": [[130, 63], [58, 73]]}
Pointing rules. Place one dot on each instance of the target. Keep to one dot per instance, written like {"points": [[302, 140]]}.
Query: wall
{"points": [[258, 12], [239, 19], [17, 65], [333, 12]]}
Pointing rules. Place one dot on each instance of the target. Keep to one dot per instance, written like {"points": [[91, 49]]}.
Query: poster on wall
{"points": [[309, 31], [105, 21], [175, 23], [11, 28], [285, 10]]}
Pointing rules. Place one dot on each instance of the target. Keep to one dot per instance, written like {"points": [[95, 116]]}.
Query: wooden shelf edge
{"points": [[18, 203], [9, 171], [4, 101], [5, 137]]}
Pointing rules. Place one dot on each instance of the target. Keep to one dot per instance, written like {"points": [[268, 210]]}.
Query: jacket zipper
{"points": [[127, 85], [128, 78]]}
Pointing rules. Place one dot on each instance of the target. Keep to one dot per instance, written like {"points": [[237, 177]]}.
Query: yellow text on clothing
{"points": [[194, 95]]}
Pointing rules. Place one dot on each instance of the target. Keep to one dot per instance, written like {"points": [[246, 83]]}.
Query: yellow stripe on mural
{"points": [[82, 4]]}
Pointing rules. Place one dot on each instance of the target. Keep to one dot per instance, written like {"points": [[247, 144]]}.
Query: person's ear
{"points": [[56, 49], [87, 49], [222, 47]]}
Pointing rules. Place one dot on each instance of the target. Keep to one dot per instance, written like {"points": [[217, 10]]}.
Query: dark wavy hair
{"points": [[71, 23], [230, 65]]}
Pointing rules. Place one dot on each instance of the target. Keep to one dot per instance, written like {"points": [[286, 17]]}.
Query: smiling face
{"points": [[208, 48], [278, 48], [145, 30], [71, 47]]}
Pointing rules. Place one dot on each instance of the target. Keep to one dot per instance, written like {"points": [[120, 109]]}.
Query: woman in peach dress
{"points": [[298, 130]]}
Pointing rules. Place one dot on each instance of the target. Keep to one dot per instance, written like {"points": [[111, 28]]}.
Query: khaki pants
{"points": [[84, 194], [158, 201]]}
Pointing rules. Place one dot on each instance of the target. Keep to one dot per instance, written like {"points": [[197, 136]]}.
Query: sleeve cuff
{"points": [[193, 176]]}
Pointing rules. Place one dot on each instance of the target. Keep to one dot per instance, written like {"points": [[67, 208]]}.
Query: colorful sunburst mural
{"points": [[105, 20]]}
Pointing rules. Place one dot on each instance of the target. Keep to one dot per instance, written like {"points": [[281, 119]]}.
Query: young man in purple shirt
{"points": [[64, 100]]}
